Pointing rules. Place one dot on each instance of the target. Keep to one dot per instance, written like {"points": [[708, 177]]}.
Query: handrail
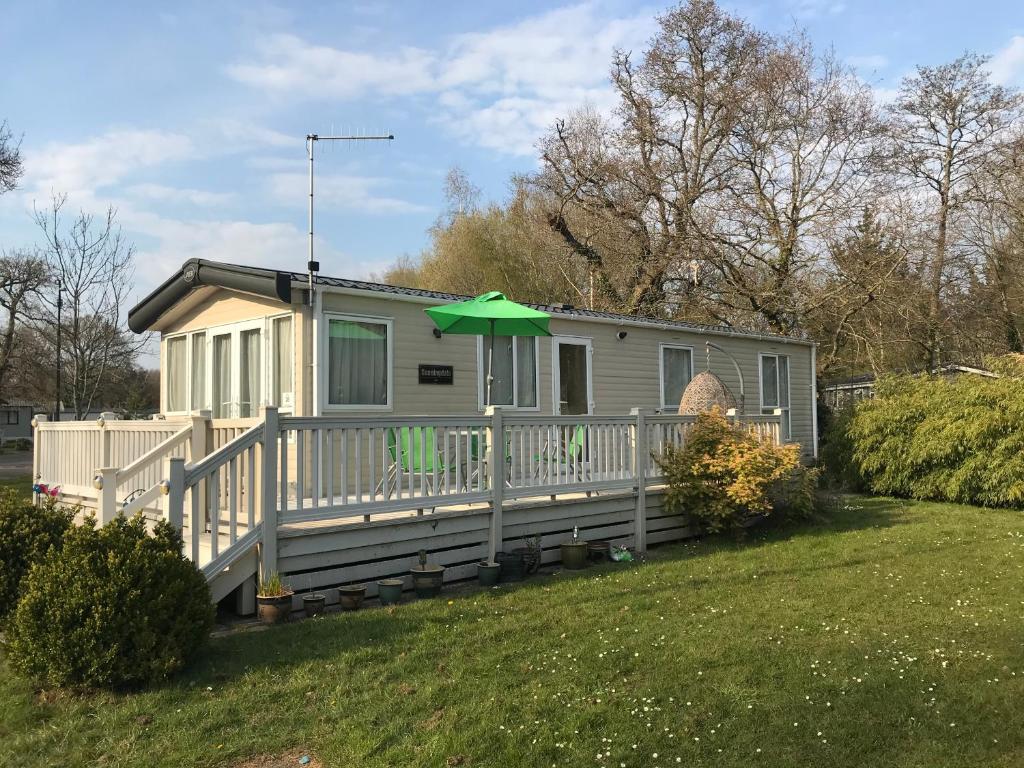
{"points": [[370, 422], [197, 471], [140, 501], [153, 456], [233, 553]]}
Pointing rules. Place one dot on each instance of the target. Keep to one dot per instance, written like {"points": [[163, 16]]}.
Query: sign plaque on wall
{"points": [[431, 373]]}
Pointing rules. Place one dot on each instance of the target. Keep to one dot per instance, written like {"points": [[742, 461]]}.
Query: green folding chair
{"points": [[571, 454], [414, 454]]}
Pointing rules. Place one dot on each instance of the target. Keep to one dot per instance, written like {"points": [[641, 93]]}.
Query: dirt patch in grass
{"points": [[289, 759]]}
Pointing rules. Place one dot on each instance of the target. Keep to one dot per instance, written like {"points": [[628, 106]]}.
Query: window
{"points": [[676, 372], [10, 417], [177, 374], [198, 396], [358, 362], [250, 373], [513, 371], [775, 390], [282, 389]]}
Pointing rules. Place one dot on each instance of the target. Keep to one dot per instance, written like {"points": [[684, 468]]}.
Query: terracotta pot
{"points": [[389, 591], [274, 609], [574, 555], [351, 596]]}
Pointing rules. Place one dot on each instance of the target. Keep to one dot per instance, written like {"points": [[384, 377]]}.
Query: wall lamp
{"points": [[621, 335]]}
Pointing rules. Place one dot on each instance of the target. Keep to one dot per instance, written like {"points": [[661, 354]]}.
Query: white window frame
{"points": [[582, 341], [481, 376], [323, 373], [265, 325], [165, 371], [661, 369], [271, 353], [786, 419]]}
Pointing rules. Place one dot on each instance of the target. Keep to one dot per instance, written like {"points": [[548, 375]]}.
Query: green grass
{"points": [[21, 484], [889, 634]]}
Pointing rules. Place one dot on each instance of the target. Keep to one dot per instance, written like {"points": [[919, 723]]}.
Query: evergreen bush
{"points": [[27, 534], [113, 607]]}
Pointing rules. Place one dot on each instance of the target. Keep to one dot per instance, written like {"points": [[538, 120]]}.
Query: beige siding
{"points": [[626, 373]]}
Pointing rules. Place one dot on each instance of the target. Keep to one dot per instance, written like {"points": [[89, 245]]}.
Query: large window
{"points": [[513, 371], [676, 372], [358, 362], [775, 390], [177, 374]]}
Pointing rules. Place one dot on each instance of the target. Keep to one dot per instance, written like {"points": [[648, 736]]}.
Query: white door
{"points": [[571, 374], [221, 395]]}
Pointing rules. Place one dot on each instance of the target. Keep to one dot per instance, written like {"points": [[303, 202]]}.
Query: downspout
{"points": [[814, 398]]}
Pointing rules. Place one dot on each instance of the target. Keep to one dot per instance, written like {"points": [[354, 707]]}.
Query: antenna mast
{"points": [[313, 266]]}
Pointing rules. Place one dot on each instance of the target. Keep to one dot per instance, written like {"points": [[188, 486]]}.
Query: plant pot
{"points": [[511, 566], [351, 596], [531, 558], [274, 609], [313, 605], [599, 551], [389, 591], [488, 573], [427, 580], [574, 555]]}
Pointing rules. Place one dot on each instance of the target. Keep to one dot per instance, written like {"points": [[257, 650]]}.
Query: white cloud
{"points": [[102, 161], [358, 193], [812, 9], [1007, 65], [498, 89], [164, 194], [869, 62]]}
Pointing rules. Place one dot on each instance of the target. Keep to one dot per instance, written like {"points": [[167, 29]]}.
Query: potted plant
{"points": [[313, 604], [427, 578], [389, 591], [488, 573], [530, 552], [511, 566], [351, 596], [574, 552], [273, 600], [599, 551]]}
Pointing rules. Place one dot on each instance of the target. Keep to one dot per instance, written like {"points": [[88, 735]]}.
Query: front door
{"points": [[570, 365]]}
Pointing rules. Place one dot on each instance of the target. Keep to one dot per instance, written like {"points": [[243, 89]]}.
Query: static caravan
{"points": [[233, 338]]}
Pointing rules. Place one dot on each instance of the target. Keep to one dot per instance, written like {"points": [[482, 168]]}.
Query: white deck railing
{"points": [[228, 485]]}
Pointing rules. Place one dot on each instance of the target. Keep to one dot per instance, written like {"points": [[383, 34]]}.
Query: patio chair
{"points": [[571, 454], [478, 450], [415, 455]]}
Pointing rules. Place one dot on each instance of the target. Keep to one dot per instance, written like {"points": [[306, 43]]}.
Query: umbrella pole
{"points": [[490, 365]]}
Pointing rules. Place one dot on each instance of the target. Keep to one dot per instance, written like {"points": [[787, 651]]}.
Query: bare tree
{"points": [[946, 119], [93, 263], [10, 159], [22, 274]]}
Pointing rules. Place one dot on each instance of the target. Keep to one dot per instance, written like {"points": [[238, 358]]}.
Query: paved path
{"points": [[15, 464]]}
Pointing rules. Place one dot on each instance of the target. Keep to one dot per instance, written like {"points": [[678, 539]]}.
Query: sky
{"points": [[189, 117]]}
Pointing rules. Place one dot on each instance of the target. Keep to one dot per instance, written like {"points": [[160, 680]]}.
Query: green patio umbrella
{"points": [[490, 314]]}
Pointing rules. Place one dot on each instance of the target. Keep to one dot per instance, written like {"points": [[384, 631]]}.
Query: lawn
{"points": [[888, 634]]}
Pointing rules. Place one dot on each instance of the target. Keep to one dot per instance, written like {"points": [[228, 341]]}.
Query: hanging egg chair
{"points": [[703, 393]]}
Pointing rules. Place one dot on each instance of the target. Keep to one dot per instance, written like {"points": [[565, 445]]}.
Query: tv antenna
{"points": [[311, 139]]}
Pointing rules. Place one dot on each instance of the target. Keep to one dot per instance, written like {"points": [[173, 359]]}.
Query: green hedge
{"points": [[959, 439], [27, 533], [115, 606]]}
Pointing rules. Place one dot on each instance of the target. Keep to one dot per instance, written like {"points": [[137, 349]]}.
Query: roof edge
{"points": [[196, 273]]}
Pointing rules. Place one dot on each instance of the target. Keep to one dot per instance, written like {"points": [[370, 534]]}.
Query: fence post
{"points": [[268, 500], [495, 477], [106, 483], [640, 456], [101, 422], [199, 447], [174, 492], [39, 418]]}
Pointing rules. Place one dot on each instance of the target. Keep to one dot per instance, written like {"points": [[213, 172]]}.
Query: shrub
{"points": [[27, 533], [949, 439], [838, 465], [114, 607], [724, 474]]}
